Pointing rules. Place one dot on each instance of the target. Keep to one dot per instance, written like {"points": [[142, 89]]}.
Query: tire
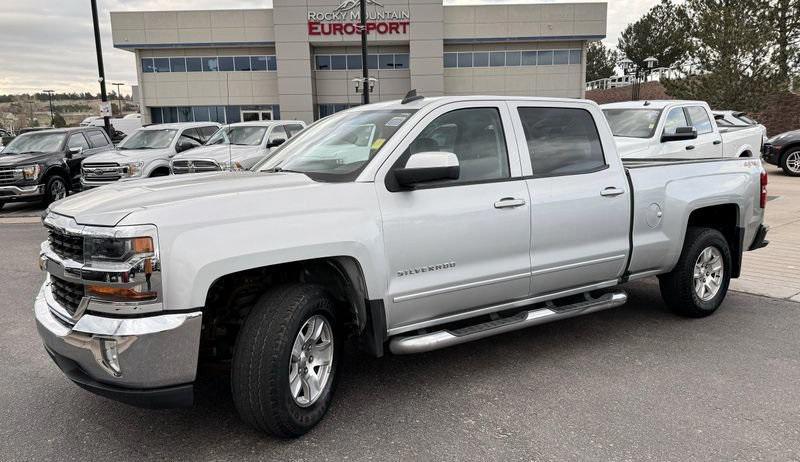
{"points": [[263, 365], [678, 288], [159, 172], [55, 189], [790, 162]]}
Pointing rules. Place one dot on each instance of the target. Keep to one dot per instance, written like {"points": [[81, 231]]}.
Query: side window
{"points": [[700, 120], [474, 135], [193, 134], [98, 139], [676, 118], [78, 141], [207, 132], [277, 132], [561, 141], [293, 129]]}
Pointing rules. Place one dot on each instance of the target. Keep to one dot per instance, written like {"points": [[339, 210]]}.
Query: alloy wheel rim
{"points": [[311, 360], [793, 161], [58, 190], [708, 272]]}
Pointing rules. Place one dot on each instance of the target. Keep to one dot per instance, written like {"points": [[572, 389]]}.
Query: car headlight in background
{"points": [[133, 169], [31, 172]]}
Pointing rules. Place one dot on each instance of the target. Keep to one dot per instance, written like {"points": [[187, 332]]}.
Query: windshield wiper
{"points": [[284, 170]]}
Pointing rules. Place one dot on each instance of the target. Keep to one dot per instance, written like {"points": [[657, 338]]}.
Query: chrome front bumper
{"points": [[20, 193], [125, 353]]}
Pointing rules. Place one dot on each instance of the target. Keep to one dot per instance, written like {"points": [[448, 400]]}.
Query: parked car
{"points": [[126, 125], [44, 165], [146, 153], [236, 146], [676, 129], [784, 151], [410, 225]]}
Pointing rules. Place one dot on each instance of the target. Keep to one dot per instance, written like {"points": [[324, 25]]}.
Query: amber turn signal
{"points": [[120, 293], [142, 245]]}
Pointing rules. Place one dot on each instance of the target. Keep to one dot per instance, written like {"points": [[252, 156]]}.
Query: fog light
{"points": [[110, 356]]}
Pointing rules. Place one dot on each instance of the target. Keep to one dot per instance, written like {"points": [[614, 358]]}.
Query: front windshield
{"points": [[632, 123], [149, 139], [35, 142], [239, 136], [337, 147]]}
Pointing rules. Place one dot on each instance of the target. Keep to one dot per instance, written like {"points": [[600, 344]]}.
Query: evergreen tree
{"points": [[663, 33], [58, 121], [785, 20], [600, 61]]}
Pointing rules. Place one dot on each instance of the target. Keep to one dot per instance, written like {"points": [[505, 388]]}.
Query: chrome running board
{"points": [[448, 337]]}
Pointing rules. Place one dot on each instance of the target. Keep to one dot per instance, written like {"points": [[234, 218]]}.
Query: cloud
{"points": [[50, 44]]}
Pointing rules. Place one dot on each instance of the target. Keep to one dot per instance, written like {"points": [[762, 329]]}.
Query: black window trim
{"points": [[599, 168], [685, 116]]}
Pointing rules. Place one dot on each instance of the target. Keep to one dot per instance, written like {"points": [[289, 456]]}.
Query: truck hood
{"points": [[9, 160], [222, 153], [108, 205], [132, 155], [629, 147]]}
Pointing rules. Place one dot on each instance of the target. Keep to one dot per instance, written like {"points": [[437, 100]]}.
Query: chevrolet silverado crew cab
{"points": [[677, 130], [146, 152], [43, 166], [236, 146], [409, 226]]}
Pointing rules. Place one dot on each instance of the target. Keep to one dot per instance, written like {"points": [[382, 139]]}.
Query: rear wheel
{"points": [[285, 360], [790, 162], [699, 282], [55, 189]]}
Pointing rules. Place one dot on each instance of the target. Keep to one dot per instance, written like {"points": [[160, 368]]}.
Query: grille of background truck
{"points": [[194, 166]]}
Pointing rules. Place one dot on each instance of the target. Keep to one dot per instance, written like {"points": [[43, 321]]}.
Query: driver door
{"points": [[456, 246], [73, 160]]}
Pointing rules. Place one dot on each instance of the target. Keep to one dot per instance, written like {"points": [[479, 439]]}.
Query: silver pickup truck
{"points": [[407, 226]]}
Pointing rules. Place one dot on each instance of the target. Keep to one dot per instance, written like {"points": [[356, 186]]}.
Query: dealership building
{"points": [[298, 59]]}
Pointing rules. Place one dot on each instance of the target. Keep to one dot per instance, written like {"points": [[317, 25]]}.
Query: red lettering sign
{"points": [[354, 28]]}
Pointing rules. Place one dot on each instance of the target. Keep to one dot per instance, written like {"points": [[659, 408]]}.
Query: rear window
{"points": [[97, 139], [562, 141], [632, 123]]}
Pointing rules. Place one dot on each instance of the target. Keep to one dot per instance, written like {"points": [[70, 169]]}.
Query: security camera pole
{"points": [[364, 67], [101, 71]]}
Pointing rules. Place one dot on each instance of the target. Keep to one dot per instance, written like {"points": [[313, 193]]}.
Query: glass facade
{"points": [[511, 58], [384, 61], [325, 110], [221, 114], [210, 64]]}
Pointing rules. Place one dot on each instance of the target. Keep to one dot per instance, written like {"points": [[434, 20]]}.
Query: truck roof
{"points": [[264, 123], [179, 125], [439, 100], [649, 104]]}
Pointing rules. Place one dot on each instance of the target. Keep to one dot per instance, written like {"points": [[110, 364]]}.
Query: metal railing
{"points": [[625, 80]]}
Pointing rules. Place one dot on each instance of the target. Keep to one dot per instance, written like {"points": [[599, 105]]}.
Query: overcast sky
{"points": [[47, 44]]}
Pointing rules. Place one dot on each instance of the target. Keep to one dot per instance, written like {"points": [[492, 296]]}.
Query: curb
{"points": [[20, 220]]}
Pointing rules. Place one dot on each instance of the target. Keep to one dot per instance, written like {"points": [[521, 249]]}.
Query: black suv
{"points": [[46, 165]]}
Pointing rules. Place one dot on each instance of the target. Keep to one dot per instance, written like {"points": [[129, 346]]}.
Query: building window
{"points": [[225, 63], [384, 61], [324, 110], [194, 64], [221, 114], [177, 64], [258, 63], [210, 65], [242, 63], [511, 58], [147, 65], [161, 64]]}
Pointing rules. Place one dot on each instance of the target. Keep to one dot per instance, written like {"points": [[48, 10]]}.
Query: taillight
{"points": [[764, 181]]}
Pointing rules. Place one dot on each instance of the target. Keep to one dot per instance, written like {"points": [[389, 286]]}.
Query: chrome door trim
{"points": [[576, 265], [469, 285], [500, 307]]}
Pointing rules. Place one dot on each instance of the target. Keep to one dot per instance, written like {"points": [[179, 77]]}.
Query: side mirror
{"points": [[72, 152], [681, 134], [276, 142], [423, 167], [183, 146]]}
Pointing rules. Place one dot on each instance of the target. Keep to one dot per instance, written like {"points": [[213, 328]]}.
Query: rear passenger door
{"points": [[580, 199], [709, 142], [293, 129]]}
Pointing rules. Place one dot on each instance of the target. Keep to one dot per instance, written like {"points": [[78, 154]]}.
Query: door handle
{"points": [[689, 148], [507, 202], [611, 191], [717, 142]]}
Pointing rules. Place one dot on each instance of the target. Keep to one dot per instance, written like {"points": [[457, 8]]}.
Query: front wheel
{"points": [[284, 364], [55, 189], [699, 282], [790, 162]]}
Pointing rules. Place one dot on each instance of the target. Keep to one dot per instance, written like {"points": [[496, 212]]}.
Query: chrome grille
{"points": [[102, 171], [67, 294], [67, 246], [194, 166], [9, 175]]}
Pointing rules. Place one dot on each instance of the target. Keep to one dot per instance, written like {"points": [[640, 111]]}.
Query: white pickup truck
{"points": [[409, 225], [674, 129]]}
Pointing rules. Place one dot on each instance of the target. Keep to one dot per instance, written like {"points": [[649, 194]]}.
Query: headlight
{"points": [[234, 165], [117, 249], [133, 169], [31, 172]]}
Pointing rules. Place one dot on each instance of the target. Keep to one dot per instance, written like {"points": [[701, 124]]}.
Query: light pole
{"points": [[364, 67], [101, 71], [50, 97], [119, 95], [631, 68]]}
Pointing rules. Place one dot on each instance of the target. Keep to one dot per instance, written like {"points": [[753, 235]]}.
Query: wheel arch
{"points": [[725, 218]]}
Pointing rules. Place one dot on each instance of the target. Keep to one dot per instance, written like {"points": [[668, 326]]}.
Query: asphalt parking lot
{"points": [[631, 383]]}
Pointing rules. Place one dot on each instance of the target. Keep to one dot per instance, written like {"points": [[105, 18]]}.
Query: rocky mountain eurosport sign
{"points": [[345, 19]]}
